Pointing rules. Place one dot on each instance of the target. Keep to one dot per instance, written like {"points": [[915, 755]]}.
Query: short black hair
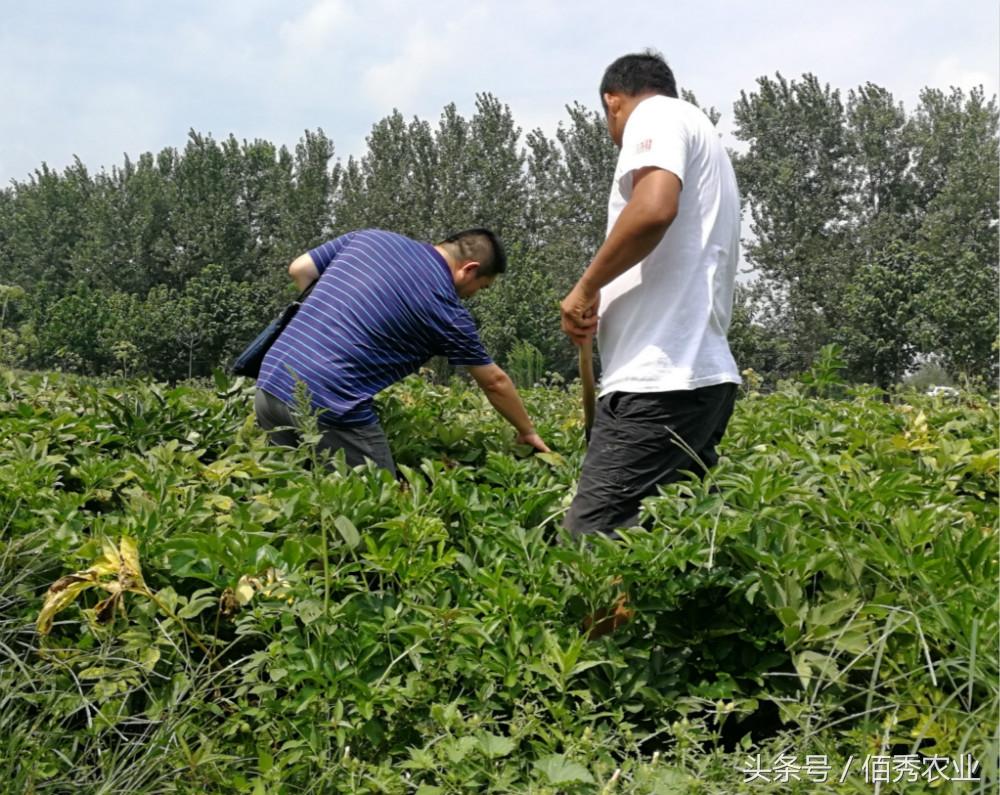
{"points": [[478, 244], [639, 73]]}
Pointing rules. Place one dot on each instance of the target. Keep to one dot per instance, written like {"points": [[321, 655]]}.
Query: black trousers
{"points": [[636, 445]]}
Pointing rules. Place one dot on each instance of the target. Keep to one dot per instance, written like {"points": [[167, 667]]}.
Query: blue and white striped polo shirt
{"points": [[384, 304]]}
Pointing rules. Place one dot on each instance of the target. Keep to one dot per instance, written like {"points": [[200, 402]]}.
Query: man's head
{"points": [[628, 81], [476, 257]]}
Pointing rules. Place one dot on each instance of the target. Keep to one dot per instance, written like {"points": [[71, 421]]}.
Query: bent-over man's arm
{"points": [[502, 393], [303, 271]]}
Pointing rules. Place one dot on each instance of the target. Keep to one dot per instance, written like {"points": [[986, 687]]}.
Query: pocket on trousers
{"points": [[609, 404]]}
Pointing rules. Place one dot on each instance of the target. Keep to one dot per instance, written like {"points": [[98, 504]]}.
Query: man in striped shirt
{"points": [[383, 305]]}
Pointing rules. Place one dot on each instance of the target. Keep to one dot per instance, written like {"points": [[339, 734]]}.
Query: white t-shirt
{"points": [[663, 322]]}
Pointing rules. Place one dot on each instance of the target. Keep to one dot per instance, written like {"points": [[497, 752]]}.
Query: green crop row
{"points": [[227, 617]]}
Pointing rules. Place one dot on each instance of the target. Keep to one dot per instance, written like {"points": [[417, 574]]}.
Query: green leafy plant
{"points": [[299, 626]]}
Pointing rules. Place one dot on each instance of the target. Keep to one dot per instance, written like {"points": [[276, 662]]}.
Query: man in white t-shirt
{"points": [[658, 294]]}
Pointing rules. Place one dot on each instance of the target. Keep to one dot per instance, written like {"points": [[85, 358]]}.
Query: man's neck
{"points": [[631, 103], [448, 258]]}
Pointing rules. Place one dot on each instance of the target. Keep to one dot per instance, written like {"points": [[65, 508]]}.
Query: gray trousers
{"points": [[359, 442]]}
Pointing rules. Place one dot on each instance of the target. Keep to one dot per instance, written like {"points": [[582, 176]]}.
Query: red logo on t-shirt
{"points": [[644, 146]]}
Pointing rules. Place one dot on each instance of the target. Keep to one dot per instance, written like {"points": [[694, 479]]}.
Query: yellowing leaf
{"points": [[110, 561], [129, 552], [220, 502], [61, 594], [104, 611], [122, 561], [149, 657], [244, 590]]}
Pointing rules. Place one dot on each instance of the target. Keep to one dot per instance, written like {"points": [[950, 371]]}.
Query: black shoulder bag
{"points": [[248, 363]]}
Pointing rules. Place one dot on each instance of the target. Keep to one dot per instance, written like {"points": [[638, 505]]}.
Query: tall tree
{"points": [[208, 223], [372, 195], [957, 175], [496, 169], [570, 179], [795, 179], [454, 198], [47, 217], [876, 322], [878, 230]]}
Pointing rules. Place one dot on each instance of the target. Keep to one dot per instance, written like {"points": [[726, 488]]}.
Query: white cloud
{"points": [[398, 81], [952, 72], [428, 54], [316, 29], [261, 68]]}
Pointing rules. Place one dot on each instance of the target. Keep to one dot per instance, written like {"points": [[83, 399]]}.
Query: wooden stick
{"points": [[586, 352]]}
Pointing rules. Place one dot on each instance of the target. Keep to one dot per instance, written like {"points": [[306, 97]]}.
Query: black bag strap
{"points": [[305, 293], [292, 309]]}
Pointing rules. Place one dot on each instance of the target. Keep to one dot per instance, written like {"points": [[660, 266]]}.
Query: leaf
{"points": [[221, 381], [853, 641], [149, 657], [580, 667], [277, 674], [110, 561], [168, 598], [245, 589], [347, 531], [129, 557], [308, 610], [61, 594], [552, 459], [104, 611], [495, 746], [221, 502], [559, 770], [670, 781], [831, 612], [808, 661], [459, 748], [200, 600]]}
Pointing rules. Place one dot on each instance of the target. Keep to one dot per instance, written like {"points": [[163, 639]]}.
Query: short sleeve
{"points": [[458, 337], [654, 137], [326, 253]]}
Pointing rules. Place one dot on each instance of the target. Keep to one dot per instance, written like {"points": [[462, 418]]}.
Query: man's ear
{"points": [[470, 269], [612, 103]]}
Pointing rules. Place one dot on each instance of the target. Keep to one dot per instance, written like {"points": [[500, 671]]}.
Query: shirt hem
{"points": [[685, 385]]}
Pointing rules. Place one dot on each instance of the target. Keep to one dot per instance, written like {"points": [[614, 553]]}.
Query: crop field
{"points": [[186, 610]]}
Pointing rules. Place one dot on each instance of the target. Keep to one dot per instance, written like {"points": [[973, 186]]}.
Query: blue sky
{"points": [[102, 79]]}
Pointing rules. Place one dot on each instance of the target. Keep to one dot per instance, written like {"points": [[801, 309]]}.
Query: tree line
{"points": [[866, 226]]}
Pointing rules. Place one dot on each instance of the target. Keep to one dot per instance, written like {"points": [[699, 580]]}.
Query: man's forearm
{"points": [[503, 396]]}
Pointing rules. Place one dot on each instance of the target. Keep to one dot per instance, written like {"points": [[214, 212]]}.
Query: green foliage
{"points": [[829, 589], [873, 228], [467, 172], [824, 379], [136, 254], [10, 353], [526, 365], [929, 374]]}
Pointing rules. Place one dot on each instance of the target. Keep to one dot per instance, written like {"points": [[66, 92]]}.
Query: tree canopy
{"points": [[866, 226]]}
